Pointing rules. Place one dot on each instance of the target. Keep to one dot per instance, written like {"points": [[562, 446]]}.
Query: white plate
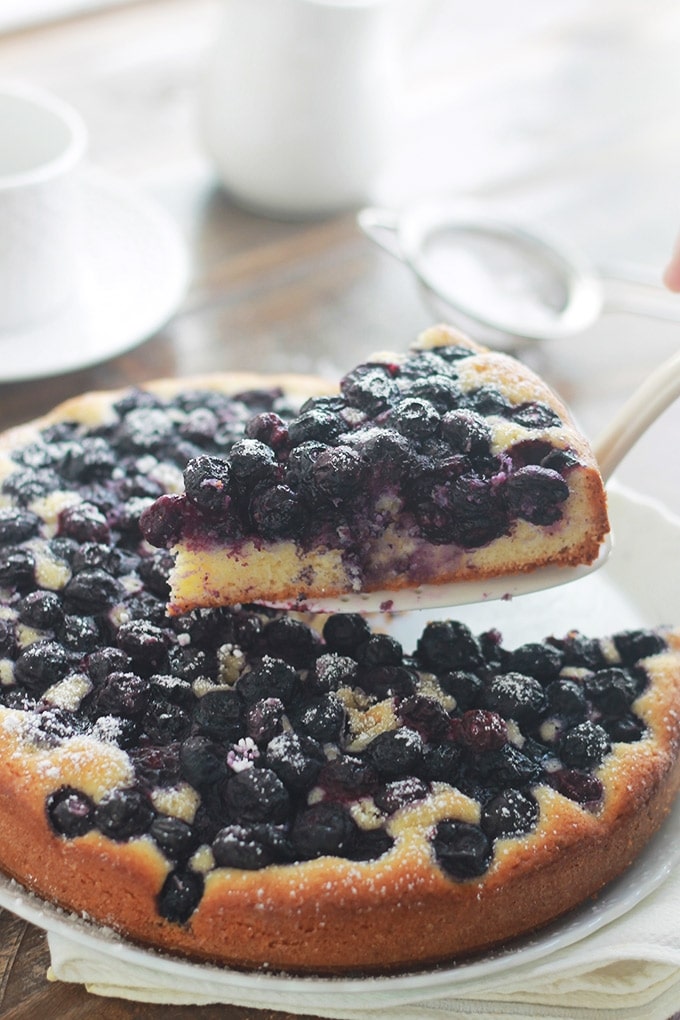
{"points": [[133, 273], [635, 588]]}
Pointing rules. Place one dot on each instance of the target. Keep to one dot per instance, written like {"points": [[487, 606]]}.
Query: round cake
{"points": [[264, 790]]}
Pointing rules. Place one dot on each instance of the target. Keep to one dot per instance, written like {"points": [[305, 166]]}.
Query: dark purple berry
{"points": [[322, 718], [425, 715], [175, 837], [514, 696], [510, 813], [535, 415], [447, 645], [161, 523], [206, 483], [487, 400], [415, 417], [272, 678], [440, 390], [91, 591], [583, 787], [84, 523], [16, 525], [462, 850], [290, 640], [180, 895], [398, 793], [347, 777], [251, 462], [324, 829], [466, 432], [395, 752], [70, 812], [612, 690], [42, 664], [276, 511], [257, 795], [380, 650], [465, 687], [345, 632], [370, 388], [218, 714], [295, 758], [536, 494], [16, 566], [336, 474], [566, 698], [441, 763], [202, 762], [536, 659], [123, 814], [264, 719], [332, 671], [633, 645], [41, 609], [238, 846], [318, 424], [268, 428], [387, 681], [584, 745], [481, 730], [123, 694], [144, 643]]}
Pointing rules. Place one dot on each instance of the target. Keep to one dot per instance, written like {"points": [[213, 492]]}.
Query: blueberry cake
{"points": [[263, 790], [450, 463]]}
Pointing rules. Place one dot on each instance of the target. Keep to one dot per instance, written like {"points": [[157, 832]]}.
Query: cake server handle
{"points": [[641, 410], [382, 227]]}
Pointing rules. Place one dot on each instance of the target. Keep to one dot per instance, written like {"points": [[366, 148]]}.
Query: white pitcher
{"points": [[299, 101]]}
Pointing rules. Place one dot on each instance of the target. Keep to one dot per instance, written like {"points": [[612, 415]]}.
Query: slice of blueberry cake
{"points": [[449, 463], [237, 785]]}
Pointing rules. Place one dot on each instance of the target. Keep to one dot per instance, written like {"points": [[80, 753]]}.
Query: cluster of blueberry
{"points": [[408, 430], [270, 749]]}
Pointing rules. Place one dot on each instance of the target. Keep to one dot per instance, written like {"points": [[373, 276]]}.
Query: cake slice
{"points": [[447, 463]]}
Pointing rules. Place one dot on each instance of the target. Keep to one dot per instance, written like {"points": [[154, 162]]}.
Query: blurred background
{"points": [[562, 114]]}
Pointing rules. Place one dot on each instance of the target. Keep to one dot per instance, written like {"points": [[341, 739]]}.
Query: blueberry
{"points": [[322, 718], [481, 730], [380, 650], [478, 514], [510, 813], [70, 812], [425, 715], [583, 787], [465, 687], [536, 659], [612, 690], [441, 763], [318, 424], [156, 766], [567, 699], [27, 485], [324, 829], [415, 417], [202, 762], [16, 525], [218, 714], [584, 745], [369, 845], [144, 429], [387, 681], [295, 758], [345, 632], [251, 462], [394, 753], [175, 837], [17, 566], [447, 645], [369, 388], [264, 719], [625, 728], [144, 643], [301, 463], [123, 694], [332, 671], [88, 459], [347, 777], [41, 609], [276, 511], [42, 664], [79, 634], [268, 428], [7, 639], [440, 390], [535, 415], [123, 814], [91, 591], [84, 523], [257, 795], [578, 650], [199, 426], [462, 850], [388, 456], [290, 640], [633, 645], [161, 523], [164, 722], [536, 494], [397, 793], [106, 660], [206, 483], [238, 846], [466, 432], [154, 571], [507, 767], [514, 696], [180, 895], [487, 400], [271, 678], [336, 474]]}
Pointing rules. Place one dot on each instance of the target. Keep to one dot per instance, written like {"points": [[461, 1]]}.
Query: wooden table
{"points": [[316, 296]]}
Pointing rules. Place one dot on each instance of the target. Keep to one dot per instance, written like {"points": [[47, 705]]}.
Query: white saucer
{"points": [[133, 274]]}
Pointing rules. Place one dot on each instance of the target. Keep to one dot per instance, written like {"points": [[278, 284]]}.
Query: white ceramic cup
{"points": [[42, 144], [299, 100]]}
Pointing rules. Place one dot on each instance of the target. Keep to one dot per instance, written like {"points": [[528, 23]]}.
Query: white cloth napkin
{"points": [[627, 970]]}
